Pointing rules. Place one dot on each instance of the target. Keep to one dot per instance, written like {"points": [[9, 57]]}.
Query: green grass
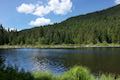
{"points": [[62, 45], [42, 76], [75, 73]]}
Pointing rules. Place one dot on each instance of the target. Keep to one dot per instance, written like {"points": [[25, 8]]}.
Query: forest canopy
{"points": [[98, 27]]}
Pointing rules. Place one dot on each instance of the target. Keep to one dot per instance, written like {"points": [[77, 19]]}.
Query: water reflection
{"points": [[60, 60]]}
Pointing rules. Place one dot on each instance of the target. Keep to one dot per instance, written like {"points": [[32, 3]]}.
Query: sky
{"points": [[23, 14]]}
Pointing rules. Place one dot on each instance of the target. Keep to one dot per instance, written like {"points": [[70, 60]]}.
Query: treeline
{"points": [[98, 27], [7, 36]]}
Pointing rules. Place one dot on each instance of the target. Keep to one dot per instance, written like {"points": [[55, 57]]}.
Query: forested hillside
{"points": [[97, 27]]}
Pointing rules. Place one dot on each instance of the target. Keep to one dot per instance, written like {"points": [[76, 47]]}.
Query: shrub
{"points": [[42, 75], [77, 73]]}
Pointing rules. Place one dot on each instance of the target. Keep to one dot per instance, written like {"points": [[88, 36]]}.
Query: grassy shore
{"points": [[75, 73], [62, 46]]}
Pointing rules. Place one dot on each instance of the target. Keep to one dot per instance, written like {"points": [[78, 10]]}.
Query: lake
{"points": [[60, 60]]}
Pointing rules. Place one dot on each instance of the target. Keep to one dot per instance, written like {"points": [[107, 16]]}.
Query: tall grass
{"points": [[76, 73], [42, 76]]}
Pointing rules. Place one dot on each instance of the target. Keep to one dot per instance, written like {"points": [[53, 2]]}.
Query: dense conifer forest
{"points": [[98, 27]]}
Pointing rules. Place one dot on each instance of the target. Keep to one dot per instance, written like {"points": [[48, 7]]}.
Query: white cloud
{"points": [[55, 6], [40, 22], [60, 7], [41, 11], [26, 8], [117, 1]]}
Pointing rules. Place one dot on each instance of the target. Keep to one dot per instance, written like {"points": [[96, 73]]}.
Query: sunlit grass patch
{"points": [[77, 73]]}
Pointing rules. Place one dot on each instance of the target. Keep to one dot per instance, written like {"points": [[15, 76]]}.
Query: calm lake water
{"points": [[60, 60]]}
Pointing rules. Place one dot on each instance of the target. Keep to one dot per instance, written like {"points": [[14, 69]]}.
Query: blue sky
{"points": [[22, 14]]}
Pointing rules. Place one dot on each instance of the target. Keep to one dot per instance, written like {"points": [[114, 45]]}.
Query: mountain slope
{"points": [[97, 27]]}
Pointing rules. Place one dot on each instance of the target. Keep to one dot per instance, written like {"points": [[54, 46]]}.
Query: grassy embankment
{"points": [[62, 45], [76, 73]]}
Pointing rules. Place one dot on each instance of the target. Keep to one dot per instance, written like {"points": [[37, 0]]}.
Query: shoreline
{"points": [[61, 46]]}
